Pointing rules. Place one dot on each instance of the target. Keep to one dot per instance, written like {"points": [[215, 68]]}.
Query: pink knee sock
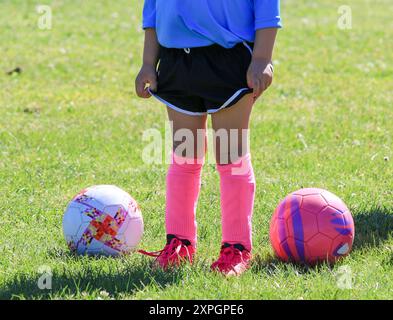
{"points": [[237, 184], [183, 183]]}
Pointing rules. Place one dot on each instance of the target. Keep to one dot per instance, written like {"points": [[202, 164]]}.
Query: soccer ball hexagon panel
{"points": [[312, 225], [103, 220]]}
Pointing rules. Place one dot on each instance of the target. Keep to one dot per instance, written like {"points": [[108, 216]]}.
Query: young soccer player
{"points": [[208, 57]]}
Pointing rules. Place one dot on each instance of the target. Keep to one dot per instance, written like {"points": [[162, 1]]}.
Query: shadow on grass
{"points": [[372, 227], [271, 264], [88, 279]]}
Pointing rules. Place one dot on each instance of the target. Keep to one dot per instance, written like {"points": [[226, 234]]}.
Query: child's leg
{"points": [[184, 174], [237, 182]]}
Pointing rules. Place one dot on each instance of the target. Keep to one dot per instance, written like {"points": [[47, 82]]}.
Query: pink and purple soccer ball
{"points": [[103, 220], [312, 225]]}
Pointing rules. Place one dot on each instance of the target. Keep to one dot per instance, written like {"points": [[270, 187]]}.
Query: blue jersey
{"points": [[198, 23]]}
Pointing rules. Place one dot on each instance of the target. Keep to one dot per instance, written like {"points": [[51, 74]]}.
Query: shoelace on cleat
{"points": [[170, 249], [228, 254]]}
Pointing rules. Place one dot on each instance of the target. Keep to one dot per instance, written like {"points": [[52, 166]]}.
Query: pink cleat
{"points": [[174, 253], [233, 260]]}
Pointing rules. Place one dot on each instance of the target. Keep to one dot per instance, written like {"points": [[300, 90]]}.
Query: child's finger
{"points": [[139, 88], [146, 93], [153, 84], [268, 81], [146, 89], [257, 88], [249, 81]]}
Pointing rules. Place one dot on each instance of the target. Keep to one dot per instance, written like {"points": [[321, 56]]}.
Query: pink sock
{"points": [[237, 184], [183, 183]]}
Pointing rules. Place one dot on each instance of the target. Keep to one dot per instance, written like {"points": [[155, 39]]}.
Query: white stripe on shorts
{"points": [[234, 96]]}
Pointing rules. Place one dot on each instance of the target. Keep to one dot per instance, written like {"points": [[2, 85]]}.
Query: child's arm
{"points": [[260, 72], [147, 76]]}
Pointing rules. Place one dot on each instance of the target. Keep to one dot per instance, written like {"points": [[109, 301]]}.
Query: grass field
{"points": [[71, 119]]}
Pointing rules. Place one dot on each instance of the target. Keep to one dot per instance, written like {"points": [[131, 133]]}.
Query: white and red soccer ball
{"points": [[103, 220]]}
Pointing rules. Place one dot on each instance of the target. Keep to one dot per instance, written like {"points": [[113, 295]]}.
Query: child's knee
{"points": [[240, 168], [187, 163]]}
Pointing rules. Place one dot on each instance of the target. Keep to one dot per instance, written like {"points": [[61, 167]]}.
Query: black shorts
{"points": [[203, 80]]}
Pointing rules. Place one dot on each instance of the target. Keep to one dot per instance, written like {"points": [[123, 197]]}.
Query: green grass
{"points": [[71, 119]]}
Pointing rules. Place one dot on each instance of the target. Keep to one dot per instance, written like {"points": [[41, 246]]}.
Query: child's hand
{"points": [[259, 76], [147, 78]]}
